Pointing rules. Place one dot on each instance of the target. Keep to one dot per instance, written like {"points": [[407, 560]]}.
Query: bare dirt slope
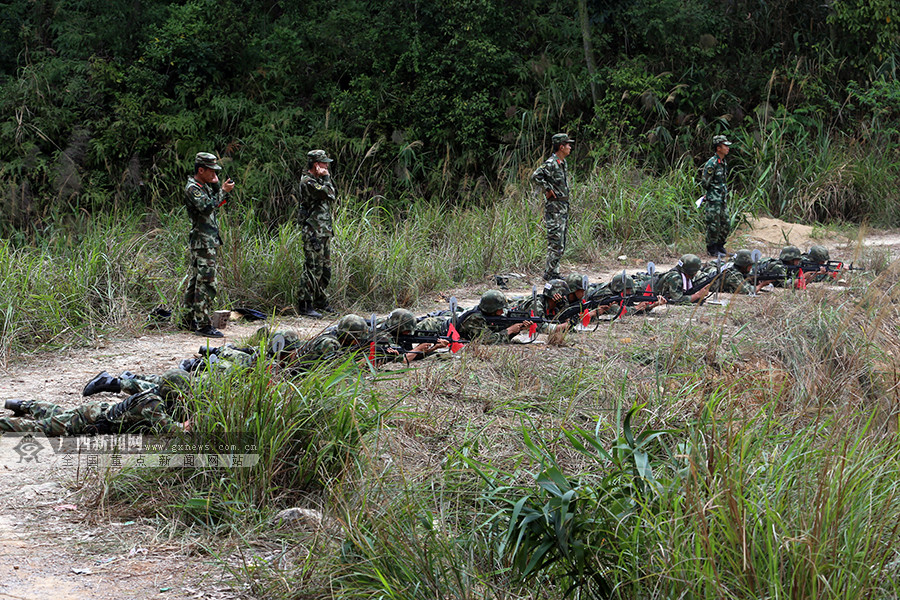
{"points": [[52, 546]]}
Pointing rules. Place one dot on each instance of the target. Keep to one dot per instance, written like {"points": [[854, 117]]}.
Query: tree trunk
{"points": [[588, 50]]}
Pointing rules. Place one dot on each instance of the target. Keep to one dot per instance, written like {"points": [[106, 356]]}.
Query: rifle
{"points": [[831, 266], [421, 337], [572, 313]]}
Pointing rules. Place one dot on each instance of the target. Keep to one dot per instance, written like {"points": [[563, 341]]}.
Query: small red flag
{"points": [[455, 346], [372, 350]]}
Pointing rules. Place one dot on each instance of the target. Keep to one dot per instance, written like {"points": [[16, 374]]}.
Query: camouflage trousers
{"points": [[556, 218], [139, 383], [717, 224], [316, 270], [201, 287], [51, 419]]}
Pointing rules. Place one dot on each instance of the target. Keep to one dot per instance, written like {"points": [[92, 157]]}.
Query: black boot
{"points": [[103, 382], [305, 310], [209, 331], [19, 407], [712, 250]]}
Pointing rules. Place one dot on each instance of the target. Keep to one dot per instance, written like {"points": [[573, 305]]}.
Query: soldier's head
{"points": [[320, 157], [173, 383], [790, 255], [562, 142], [622, 283], [577, 284], [689, 264], [743, 260], [721, 144], [400, 321], [492, 302], [352, 329], [206, 167], [556, 288], [819, 254]]}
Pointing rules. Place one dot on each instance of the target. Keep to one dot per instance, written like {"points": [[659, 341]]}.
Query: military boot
{"points": [[20, 408], [103, 382], [306, 310]]}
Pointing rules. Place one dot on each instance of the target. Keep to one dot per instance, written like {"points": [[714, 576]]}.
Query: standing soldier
{"points": [[713, 182], [202, 197], [315, 193], [551, 176]]}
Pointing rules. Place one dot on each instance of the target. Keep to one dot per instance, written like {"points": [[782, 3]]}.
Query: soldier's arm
{"points": [[153, 412], [709, 170]]}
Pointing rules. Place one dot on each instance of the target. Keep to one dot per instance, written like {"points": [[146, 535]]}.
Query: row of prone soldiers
{"points": [[153, 402]]}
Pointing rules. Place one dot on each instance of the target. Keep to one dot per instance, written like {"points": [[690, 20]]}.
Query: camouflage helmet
{"points": [[399, 320], [353, 326], [789, 253], [720, 139], [561, 138], [173, 382], [554, 287], [819, 254], [574, 281], [690, 264], [621, 282], [743, 258], [492, 301]]}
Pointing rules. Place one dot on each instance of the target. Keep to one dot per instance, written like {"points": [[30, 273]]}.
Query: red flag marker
{"points": [[455, 346]]}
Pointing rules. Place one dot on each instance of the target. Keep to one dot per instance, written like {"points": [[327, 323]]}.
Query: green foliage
{"points": [[573, 530], [104, 105]]}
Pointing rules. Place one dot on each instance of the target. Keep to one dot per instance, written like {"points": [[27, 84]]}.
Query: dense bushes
{"points": [[104, 104]]}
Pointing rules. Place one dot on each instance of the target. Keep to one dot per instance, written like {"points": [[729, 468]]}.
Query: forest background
{"points": [[104, 104]]}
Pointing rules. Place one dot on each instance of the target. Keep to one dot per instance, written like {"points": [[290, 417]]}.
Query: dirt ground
{"points": [[51, 546]]}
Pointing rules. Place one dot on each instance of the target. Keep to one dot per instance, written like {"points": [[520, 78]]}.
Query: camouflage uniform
{"points": [[671, 286], [551, 175], [201, 202], [226, 358], [730, 280], [718, 226], [773, 271], [473, 326], [315, 195], [145, 411], [540, 307]]}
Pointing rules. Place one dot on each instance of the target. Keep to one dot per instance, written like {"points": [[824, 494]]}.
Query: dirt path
{"points": [[51, 546]]}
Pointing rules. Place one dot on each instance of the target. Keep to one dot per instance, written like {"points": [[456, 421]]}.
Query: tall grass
{"points": [[306, 432]]}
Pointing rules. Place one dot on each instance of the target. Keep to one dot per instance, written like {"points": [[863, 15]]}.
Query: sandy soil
{"points": [[52, 547]]}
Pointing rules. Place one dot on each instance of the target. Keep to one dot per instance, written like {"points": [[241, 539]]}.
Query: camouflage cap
{"points": [[819, 254], [789, 253], [720, 139], [318, 156], [492, 301], [743, 258], [205, 159], [562, 138]]}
